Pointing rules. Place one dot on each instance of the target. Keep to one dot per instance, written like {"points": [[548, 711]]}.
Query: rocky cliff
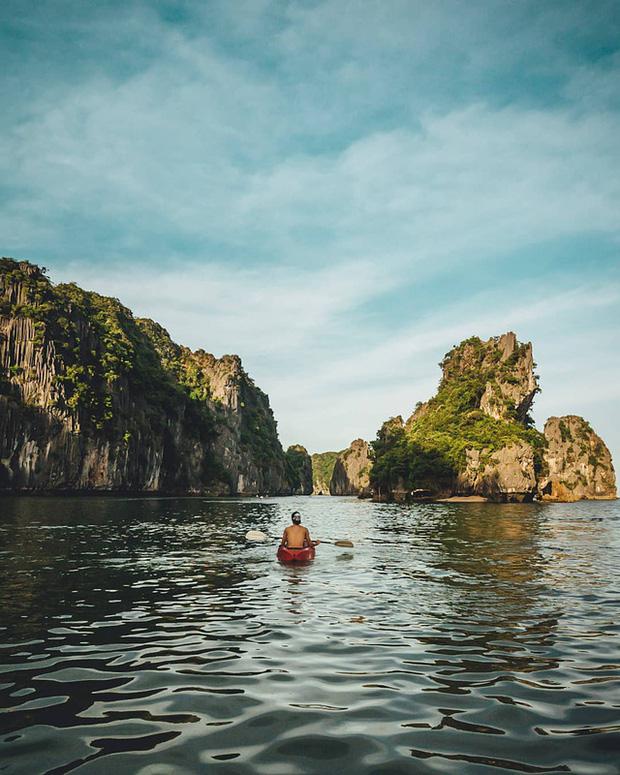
{"points": [[299, 469], [351, 474], [578, 464], [93, 399], [322, 469], [508, 473], [475, 436]]}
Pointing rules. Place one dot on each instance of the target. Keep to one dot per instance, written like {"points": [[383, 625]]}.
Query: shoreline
{"points": [[464, 499], [138, 494]]}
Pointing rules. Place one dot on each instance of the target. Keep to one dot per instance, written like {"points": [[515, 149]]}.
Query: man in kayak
{"points": [[296, 536]]}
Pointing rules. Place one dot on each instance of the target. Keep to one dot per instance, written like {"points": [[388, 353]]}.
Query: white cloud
{"points": [[474, 180], [155, 156], [268, 312]]}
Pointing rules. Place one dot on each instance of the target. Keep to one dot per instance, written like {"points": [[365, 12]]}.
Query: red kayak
{"points": [[295, 555]]}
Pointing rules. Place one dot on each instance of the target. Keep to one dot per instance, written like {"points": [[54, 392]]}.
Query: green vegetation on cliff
{"points": [[299, 469], [193, 371], [153, 412], [98, 346], [322, 469], [259, 430], [429, 451], [179, 361]]}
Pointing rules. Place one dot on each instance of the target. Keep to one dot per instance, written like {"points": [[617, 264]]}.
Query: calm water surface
{"points": [[147, 636]]}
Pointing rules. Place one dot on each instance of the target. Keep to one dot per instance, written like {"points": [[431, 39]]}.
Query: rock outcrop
{"points": [[507, 474], [299, 470], [475, 437], [472, 437], [322, 469], [92, 398], [507, 368], [578, 464], [351, 474], [510, 394]]}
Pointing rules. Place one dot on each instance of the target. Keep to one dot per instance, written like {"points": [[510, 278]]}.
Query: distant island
{"points": [[476, 439], [93, 399], [343, 473]]}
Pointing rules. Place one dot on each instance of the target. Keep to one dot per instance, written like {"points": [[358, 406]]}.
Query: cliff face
{"points": [[351, 474], [505, 368], [93, 399], [578, 464], [510, 393], [322, 469], [299, 469], [507, 474]]}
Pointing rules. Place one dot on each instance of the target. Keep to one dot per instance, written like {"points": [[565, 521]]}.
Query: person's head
{"points": [[296, 518]]}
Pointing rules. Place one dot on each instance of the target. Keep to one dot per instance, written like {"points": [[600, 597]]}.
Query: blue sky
{"points": [[337, 191]]}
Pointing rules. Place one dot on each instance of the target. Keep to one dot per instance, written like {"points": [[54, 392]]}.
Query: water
{"points": [[147, 636]]}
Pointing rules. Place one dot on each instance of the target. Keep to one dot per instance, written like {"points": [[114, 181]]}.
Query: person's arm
{"points": [[308, 541], [285, 537]]}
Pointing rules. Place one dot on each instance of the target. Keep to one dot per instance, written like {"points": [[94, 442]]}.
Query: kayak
{"points": [[295, 555]]}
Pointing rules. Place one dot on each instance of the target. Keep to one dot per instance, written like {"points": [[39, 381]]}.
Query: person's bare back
{"points": [[296, 536]]}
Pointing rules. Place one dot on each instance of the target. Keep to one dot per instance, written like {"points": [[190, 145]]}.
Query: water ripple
{"points": [[145, 635]]}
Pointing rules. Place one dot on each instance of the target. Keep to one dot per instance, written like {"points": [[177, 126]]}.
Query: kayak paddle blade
{"points": [[256, 535]]}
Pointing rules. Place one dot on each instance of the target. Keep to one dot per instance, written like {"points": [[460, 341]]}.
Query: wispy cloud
{"points": [[266, 313], [476, 181]]}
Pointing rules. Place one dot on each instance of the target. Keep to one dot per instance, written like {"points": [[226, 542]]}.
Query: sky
{"points": [[338, 191]]}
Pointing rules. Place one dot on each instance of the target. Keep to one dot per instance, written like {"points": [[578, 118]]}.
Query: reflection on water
{"points": [[146, 636]]}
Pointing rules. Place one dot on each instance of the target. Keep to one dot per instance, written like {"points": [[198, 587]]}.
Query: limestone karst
{"points": [[351, 473], [322, 469], [577, 463], [299, 470], [92, 398], [475, 437]]}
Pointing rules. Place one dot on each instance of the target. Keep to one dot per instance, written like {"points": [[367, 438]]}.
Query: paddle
{"points": [[258, 535]]}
